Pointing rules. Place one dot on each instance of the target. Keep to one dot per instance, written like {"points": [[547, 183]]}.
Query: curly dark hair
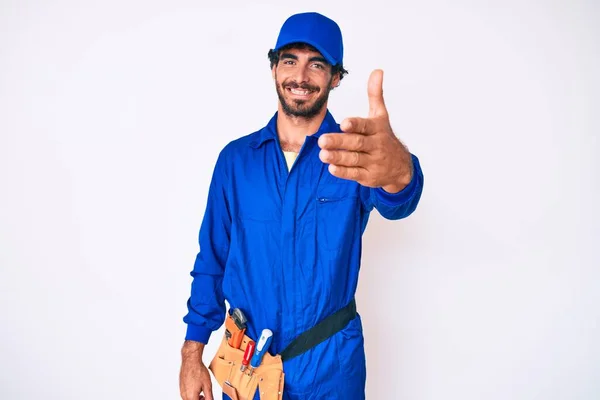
{"points": [[274, 57]]}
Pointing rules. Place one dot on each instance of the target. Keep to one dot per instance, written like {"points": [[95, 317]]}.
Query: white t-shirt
{"points": [[290, 157]]}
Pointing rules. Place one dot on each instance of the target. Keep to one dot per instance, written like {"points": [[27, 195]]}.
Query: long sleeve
{"points": [[206, 304], [399, 205]]}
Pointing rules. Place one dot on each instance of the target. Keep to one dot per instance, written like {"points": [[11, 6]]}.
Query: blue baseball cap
{"points": [[314, 29]]}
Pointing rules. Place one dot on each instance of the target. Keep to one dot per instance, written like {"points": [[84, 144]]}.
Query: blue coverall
{"points": [[285, 247]]}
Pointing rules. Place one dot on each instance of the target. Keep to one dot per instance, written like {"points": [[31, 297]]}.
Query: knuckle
{"points": [[337, 156], [346, 140], [363, 126], [360, 142]]}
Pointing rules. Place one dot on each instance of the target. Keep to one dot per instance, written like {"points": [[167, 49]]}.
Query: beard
{"points": [[302, 108]]}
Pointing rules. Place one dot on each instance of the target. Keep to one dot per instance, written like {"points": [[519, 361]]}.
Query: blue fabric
{"points": [[256, 396], [286, 249], [315, 29]]}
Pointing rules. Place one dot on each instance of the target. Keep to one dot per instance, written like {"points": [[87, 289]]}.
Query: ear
{"points": [[335, 82], [273, 72]]}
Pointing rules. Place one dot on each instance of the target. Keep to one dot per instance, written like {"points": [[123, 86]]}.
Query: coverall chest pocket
{"points": [[337, 216]]}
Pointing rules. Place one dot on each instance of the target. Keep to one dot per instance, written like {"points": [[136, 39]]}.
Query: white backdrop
{"points": [[111, 118]]}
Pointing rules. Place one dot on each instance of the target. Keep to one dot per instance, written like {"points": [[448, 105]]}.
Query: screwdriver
{"points": [[248, 355], [261, 348]]}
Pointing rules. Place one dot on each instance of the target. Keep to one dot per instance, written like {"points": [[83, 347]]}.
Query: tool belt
{"points": [[269, 376]]}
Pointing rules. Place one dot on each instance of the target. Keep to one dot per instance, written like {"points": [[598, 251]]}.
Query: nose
{"points": [[301, 75]]}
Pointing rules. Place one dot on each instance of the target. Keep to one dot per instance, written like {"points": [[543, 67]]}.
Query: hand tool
{"points": [[261, 348], [239, 318], [248, 355], [235, 327]]}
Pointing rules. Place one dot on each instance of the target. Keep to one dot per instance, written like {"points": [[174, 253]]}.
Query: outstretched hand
{"points": [[367, 151]]}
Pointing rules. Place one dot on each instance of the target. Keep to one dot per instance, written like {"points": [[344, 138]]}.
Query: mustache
{"points": [[303, 86]]}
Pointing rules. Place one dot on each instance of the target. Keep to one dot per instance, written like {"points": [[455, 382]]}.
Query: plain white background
{"points": [[112, 115]]}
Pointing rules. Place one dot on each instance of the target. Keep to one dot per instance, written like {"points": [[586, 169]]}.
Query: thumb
{"points": [[375, 92]]}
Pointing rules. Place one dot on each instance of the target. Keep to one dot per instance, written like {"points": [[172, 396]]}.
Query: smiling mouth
{"points": [[299, 92]]}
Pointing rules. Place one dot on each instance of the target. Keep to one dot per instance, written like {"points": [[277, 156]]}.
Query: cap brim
{"points": [[325, 54]]}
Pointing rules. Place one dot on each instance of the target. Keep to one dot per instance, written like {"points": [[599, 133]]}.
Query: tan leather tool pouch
{"points": [[267, 378]]}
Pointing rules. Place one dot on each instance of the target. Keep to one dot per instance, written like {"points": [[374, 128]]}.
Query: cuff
{"points": [[197, 333], [397, 199]]}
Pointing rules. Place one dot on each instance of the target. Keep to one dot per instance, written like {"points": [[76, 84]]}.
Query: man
{"points": [[287, 207]]}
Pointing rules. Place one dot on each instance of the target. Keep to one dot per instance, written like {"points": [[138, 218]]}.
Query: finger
{"points": [[364, 126], [207, 390], [375, 92], [344, 158], [352, 173], [346, 141]]}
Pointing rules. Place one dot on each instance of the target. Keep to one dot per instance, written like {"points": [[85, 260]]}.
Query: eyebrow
{"points": [[289, 55], [312, 59], [319, 59]]}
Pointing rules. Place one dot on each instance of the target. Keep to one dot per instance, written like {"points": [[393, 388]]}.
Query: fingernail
{"points": [[324, 154], [323, 141]]}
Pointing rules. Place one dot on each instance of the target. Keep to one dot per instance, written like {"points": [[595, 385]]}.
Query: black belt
{"points": [[320, 332]]}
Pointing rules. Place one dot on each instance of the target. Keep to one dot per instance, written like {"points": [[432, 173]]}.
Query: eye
{"points": [[288, 62], [319, 66]]}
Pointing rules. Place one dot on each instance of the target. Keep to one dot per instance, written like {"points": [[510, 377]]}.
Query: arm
{"points": [[396, 204], [206, 304], [194, 377], [369, 153]]}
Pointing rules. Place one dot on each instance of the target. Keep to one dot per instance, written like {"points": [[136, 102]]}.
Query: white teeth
{"points": [[301, 92]]}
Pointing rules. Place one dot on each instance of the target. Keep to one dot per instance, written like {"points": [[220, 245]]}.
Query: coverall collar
{"points": [[269, 132]]}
